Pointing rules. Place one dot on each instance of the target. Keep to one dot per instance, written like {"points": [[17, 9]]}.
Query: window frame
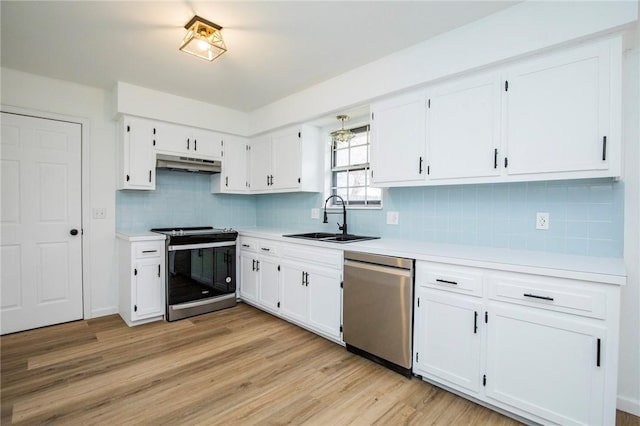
{"points": [[331, 172]]}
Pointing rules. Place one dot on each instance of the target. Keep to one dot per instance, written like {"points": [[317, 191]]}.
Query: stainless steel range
{"points": [[201, 270]]}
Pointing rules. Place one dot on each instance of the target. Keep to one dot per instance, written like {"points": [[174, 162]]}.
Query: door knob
{"points": [[74, 232]]}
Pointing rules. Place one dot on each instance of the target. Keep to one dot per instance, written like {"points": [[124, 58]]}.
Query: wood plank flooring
{"points": [[236, 366]]}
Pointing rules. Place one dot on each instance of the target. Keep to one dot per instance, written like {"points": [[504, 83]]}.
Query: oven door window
{"points": [[201, 273]]}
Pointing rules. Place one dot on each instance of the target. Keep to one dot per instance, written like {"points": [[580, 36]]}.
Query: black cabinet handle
{"points": [[598, 353], [475, 322], [149, 251], [187, 143], [246, 245], [73, 232], [265, 249], [535, 296], [149, 176], [420, 166], [495, 158], [195, 144], [268, 180], [226, 181], [446, 281], [257, 265], [158, 270], [303, 278], [306, 279], [271, 179], [604, 148], [253, 268]]}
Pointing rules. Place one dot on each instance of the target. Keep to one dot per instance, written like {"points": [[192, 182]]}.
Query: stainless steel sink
{"points": [[333, 238]]}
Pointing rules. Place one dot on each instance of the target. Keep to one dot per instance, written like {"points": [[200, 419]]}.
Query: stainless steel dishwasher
{"points": [[377, 312]]}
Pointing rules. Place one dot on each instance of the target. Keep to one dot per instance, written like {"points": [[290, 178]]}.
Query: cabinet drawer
{"points": [[571, 296], [267, 247], [328, 257], [457, 279], [150, 249], [248, 244]]}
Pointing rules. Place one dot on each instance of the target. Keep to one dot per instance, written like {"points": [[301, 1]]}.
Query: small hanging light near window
{"points": [[342, 135], [203, 39]]}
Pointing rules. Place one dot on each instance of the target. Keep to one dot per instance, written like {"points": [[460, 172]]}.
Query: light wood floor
{"points": [[237, 366]]}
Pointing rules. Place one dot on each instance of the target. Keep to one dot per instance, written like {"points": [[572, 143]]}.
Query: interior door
{"points": [[41, 246]]}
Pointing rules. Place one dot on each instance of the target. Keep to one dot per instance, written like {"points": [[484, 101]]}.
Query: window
{"points": [[350, 174]]}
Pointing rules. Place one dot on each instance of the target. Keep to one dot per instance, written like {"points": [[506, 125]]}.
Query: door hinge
{"points": [[135, 272], [341, 284], [221, 143], [486, 317], [484, 380], [135, 308], [127, 178], [278, 304], [154, 142], [154, 130], [340, 328], [506, 162], [506, 85]]}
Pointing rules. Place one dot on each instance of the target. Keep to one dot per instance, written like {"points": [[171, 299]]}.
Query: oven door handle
{"points": [[201, 246], [188, 305]]}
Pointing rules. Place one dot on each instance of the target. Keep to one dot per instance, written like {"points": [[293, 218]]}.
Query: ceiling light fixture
{"points": [[203, 39], [342, 135]]}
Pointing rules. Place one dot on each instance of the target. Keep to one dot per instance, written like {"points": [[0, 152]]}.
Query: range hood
{"points": [[177, 162]]}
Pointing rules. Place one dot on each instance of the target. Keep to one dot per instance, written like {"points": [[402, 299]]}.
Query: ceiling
{"points": [[275, 48]]}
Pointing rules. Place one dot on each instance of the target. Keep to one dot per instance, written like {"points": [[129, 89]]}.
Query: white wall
{"points": [[522, 29], [47, 96], [143, 102]]}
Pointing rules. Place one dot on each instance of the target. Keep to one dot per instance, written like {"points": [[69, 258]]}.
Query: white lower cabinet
{"points": [[541, 347], [299, 283], [141, 280]]}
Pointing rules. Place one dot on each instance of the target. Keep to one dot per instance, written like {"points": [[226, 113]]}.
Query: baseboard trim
{"points": [[103, 312], [628, 405]]}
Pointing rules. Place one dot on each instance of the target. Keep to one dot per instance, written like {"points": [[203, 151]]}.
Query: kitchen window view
{"points": [[351, 173]]}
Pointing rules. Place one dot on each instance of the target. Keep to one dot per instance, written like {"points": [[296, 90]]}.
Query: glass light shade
{"points": [[203, 39], [342, 135]]}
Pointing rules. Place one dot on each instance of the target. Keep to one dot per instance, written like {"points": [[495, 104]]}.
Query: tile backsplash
{"points": [[182, 199], [585, 216]]}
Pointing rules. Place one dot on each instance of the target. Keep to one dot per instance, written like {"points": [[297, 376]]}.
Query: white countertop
{"points": [[599, 269], [140, 236]]}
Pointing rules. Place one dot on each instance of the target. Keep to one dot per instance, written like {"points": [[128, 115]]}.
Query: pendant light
{"points": [[342, 135]]}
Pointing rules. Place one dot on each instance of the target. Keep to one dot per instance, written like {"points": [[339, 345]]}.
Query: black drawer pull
{"points": [[246, 245], [446, 281], [535, 296], [265, 249], [149, 251]]}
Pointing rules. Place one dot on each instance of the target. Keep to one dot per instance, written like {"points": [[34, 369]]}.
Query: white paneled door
{"points": [[41, 235]]}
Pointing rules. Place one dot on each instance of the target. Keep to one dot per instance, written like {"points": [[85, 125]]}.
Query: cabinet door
{"points": [[234, 165], [248, 277], [147, 289], [171, 138], [286, 159], [558, 112], [447, 338], [293, 296], [139, 158], [206, 144], [546, 363], [463, 128], [398, 139], [269, 294], [325, 300], [260, 160]]}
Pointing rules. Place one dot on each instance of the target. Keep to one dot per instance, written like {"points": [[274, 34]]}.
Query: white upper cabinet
{"points": [[233, 178], [137, 168], [286, 161], [558, 116], [398, 149], [188, 141], [463, 128]]}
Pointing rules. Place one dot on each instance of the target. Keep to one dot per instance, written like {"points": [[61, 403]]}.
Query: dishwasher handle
{"points": [[378, 268]]}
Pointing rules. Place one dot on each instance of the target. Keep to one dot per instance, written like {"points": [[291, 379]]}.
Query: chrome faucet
{"points": [[343, 228]]}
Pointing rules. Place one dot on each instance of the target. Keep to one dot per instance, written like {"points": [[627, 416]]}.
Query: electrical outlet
{"points": [[315, 213], [542, 220], [393, 218], [99, 213]]}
